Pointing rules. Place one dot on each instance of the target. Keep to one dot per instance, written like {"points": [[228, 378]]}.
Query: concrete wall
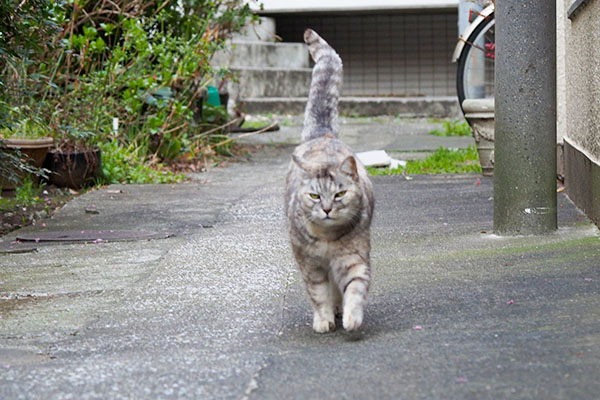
{"points": [[336, 6], [582, 87], [583, 78], [561, 90]]}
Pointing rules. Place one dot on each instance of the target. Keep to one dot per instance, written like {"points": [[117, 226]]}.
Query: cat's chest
{"points": [[322, 249]]}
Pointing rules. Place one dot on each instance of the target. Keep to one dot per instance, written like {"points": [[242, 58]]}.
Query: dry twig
{"points": [[231, 139]]}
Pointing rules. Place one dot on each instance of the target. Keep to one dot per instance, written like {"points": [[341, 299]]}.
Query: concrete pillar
{"points": [[525, 117]]}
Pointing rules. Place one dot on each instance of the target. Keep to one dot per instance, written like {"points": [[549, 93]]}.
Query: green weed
{"points": [[453, 128], [443, 161], [121, 166], [27, 193]]}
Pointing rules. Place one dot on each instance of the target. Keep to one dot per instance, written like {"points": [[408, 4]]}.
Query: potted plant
{"points": [[26, 143], [75, 162], [480, 115]]}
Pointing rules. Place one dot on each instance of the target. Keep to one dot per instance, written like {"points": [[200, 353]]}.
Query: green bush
{"points": [[26, 29], [143, 64], [122, 166]]}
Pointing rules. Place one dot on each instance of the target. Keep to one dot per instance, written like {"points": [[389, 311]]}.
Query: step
{"points": [[271, 82], [244, 54], [438, 107]]}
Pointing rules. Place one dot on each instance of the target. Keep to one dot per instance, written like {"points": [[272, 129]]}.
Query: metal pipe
{"points": [[525, 118]]}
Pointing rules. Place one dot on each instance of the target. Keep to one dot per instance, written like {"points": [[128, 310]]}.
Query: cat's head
{"points": [[330, 195]]}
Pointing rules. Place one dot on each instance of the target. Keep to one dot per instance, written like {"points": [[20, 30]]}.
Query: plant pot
{"points": [[480, 115], [73, 169], [32, 150], [224, 99]]}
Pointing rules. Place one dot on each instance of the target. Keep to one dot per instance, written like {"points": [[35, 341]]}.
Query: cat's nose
{"points": [[326, 210]]}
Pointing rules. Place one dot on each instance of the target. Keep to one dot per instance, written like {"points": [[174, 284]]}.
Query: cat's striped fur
{"points": [[329, 203]]}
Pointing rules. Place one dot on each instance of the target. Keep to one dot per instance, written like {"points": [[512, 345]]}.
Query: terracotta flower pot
{"points": [[32, 150]]}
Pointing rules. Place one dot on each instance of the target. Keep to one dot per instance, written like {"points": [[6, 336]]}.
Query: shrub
{"points": [[25, 29], [143, 64], [122, 166]]}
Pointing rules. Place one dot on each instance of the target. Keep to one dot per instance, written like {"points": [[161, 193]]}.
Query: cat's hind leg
{"points": [[322, 300], [353, 276]]}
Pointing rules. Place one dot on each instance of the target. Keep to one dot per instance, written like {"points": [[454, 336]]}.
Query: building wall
{"points": [[336, 6], [386, 54], [583, 78], [582, 83], [561, 92]]}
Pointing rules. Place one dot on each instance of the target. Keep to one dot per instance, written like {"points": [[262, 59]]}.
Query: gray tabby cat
{"points": [[329, 203]]}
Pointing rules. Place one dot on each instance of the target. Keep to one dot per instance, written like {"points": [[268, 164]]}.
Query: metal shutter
{"points": [[394, 54]]}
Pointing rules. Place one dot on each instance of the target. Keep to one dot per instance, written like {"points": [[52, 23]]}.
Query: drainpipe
{"points": [[525, 118]]}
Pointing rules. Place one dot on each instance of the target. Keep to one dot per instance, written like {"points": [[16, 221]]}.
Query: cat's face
{"points": [[331, 196]]}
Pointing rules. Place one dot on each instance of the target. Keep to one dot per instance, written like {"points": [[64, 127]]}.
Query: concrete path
{"points": [[213, 306]]}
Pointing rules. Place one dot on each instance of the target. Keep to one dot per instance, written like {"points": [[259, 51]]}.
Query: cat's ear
{"points": [[348, 167], [300, 162]]}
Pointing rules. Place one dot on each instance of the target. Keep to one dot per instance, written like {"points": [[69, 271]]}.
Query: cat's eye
{"points": [[341, 194], [314, 196]]}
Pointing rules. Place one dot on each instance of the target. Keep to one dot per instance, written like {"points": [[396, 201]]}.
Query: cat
{"points": [[329, 203]]}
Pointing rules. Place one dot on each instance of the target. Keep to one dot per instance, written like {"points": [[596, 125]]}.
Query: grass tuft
{"points": [[442, 161], [453, 128]]}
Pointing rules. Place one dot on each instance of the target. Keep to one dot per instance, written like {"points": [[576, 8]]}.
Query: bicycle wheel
{"points": [[475, 70]]}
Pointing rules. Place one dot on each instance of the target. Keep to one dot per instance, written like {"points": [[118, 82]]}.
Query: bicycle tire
{"points": [[465, 54]]}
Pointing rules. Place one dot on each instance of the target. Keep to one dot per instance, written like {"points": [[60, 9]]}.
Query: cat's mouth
{"points": [[329, 219]]}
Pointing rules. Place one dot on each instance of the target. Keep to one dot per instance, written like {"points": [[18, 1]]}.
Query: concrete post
{"points": [[525, 117]]}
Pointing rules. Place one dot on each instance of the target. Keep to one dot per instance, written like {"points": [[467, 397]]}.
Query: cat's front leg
{"points": [[353, 276], [322, 300]]}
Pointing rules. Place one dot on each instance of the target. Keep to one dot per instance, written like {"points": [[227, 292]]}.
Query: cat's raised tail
{"points": [[321, 114]]}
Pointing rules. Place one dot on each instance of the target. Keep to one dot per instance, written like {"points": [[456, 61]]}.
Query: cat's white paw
{"points": [[353, 318], [321, 325]]}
